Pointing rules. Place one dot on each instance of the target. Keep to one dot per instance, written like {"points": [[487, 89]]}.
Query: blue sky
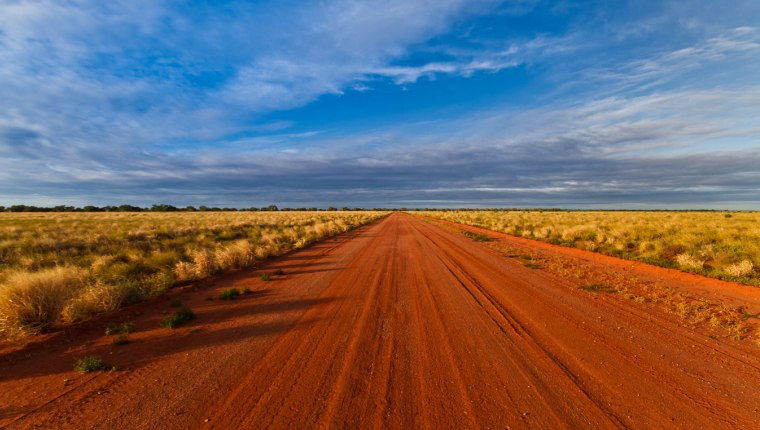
{"points": [[447, 103]]}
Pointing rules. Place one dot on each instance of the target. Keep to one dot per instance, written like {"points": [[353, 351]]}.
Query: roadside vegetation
{"points": [[91, 364], [724, 245], [68, 266], [721, 319]]}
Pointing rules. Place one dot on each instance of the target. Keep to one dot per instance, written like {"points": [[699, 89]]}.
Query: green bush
{"points": [[230, 294], [91, 364], [179, 318]]}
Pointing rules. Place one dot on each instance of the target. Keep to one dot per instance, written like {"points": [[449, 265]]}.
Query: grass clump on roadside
{"points": [[278, 272], [121, 339], [123, 328], [91, 364], [598, 288], [179, 318], [230, 294], [476, 237], [32, 302], [265, 277]]}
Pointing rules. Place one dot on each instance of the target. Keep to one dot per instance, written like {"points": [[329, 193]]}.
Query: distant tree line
{"points": [[274, 208], [166, 208]]}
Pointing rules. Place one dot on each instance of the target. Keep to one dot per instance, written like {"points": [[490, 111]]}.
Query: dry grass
{"points": [[70, 266], [92, 300], [717, 244], [32, 302], [720, 318]]}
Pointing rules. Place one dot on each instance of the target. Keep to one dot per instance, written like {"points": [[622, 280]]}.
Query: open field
{"points": [[724, 245], [68, 266], [403, 324]]}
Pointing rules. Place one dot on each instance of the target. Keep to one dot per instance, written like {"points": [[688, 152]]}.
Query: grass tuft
{"points": [[265, 277], [598, 288], [31, 302], [230, 294], [179, 318], [123, 328], [91, 364], [121, 339]]}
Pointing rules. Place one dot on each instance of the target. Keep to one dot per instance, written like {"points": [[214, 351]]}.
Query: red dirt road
{"points": [[400, 324]]}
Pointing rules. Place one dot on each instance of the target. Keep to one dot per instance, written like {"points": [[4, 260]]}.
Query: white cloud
{"points": [[741, 44]]}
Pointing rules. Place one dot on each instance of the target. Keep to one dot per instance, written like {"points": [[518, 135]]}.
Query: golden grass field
{"points": [[724, 245], [64, 267]]}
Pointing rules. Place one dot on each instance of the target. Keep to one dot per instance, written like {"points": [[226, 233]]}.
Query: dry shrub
{"points": [[262, 251], [203, 263], [320, 230], [742, 268], [184, 271], [300, 243], [341, 225], [270, 238], [290, 234], [101, 262], [32, 302], [92, 300], [688, 261], [239, 255]]}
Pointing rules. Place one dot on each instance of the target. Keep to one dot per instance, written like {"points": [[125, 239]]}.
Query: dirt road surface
{"points": [[400, 324]]}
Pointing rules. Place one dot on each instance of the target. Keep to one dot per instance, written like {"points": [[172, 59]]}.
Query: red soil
{"points": [[400, 324]]}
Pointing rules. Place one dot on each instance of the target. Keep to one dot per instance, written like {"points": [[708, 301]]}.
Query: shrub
{"points": [[155, 284], [687, 261], [239, 255], [742, 268], [121, 339], [598, 288], [92, 300], [179, 318], [32, 302], [265, 277], [204, 263], [91, 364], [230, 294], [185, 271], [123, 328]]}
